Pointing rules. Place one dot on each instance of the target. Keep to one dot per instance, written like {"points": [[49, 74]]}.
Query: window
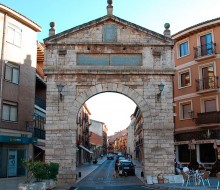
{"points": [[207, 153], [183, 153], [14, 35], [9, 111], [208, 77], [206, 44], [210, 105], [184, 110], [183, 49], [12, 73], [184, 78]]}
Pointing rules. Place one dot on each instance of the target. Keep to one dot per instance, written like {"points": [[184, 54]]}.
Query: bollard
{"points": [[79, 174], [142, 174]]}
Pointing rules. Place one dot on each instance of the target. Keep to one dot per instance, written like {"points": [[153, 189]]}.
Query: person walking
{"points": [[117, 168]]}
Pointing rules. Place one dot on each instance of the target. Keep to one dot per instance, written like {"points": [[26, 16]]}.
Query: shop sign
{"points": [[202, 141], [181, 142], [18, 140]]}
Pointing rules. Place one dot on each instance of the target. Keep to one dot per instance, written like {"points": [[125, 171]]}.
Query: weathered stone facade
{"points": [[84, 78]]}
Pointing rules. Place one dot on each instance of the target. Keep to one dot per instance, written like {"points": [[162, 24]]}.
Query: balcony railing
{"points": [[208, 118], [40, 102], [204, 50], [207, 83]]}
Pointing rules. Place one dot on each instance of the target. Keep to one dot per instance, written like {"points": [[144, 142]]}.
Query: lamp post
{"points": [[161, 87], [60, 95]]}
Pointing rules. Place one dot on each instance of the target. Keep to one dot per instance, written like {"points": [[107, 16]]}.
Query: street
{"points": [[102, 178]]}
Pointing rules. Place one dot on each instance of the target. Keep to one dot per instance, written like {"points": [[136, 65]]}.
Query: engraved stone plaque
{"points": [[109, 33], [126, 60], [92, 59]]}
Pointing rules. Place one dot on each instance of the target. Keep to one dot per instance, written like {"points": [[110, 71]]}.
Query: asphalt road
{"points": [[102, 178]]}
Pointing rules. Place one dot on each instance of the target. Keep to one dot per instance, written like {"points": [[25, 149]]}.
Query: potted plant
{"points": [[40, 175]]}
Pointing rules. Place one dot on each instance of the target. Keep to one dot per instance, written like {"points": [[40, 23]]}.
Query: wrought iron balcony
{"points": [[204, 50], [207, 83], [208, 118]]}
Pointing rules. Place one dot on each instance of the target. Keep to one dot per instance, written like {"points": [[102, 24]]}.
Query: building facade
{"points": [[18, 51], [197, 95], [130, 139], [110, 54], [83, 152], [37, 126], [98, 137], [138, 135]]}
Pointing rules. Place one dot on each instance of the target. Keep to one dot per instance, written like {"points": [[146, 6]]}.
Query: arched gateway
{"points": [[109, 54]]}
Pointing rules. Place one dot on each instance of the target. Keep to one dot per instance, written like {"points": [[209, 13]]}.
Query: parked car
{"points": [[121, 158], [127, 166], [110, 157]]}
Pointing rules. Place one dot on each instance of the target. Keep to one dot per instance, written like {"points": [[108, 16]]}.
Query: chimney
{"points": [[109, 7], [167, 31], [52, 31]]}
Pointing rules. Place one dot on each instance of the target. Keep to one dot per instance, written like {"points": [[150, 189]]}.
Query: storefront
{"points": [[12, 150], [203, 152]]}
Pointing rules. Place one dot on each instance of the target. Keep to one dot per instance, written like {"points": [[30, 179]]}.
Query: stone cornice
{"points": [[106, 70]]}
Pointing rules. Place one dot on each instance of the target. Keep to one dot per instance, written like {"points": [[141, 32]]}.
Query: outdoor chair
{"points": [[218, 178], [186, 178], [205, 178]]}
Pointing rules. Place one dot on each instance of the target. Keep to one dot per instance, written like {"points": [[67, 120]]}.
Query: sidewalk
{"points": [[173, 186], [87, 168]]}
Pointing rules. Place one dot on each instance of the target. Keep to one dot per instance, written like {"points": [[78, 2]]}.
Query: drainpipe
{"points": [[2, 62]]}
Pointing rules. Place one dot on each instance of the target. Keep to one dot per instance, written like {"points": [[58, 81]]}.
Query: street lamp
{"points": [[60, 95], [161, 87]]}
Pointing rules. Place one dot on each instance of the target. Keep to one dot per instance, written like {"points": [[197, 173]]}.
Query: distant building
{"points": [[18, 51], [83, 153], [197, 95], [117, 141], [138, 135], [130, 140], [98, 137]]}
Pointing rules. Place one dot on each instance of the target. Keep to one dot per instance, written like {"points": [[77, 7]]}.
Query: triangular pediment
{"points": [[109, 29]]}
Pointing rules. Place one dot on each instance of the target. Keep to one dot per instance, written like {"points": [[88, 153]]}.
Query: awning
{"points": [[41, 147], [84, 148]]}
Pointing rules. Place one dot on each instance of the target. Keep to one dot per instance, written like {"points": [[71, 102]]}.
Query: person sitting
{"points": [[185, 169], [177, 169], [200, 167]]}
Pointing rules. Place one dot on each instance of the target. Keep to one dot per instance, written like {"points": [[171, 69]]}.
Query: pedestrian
{"points": [[116, 174]]}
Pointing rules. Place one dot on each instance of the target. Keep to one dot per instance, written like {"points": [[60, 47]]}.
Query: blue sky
{"points": [[151, 14]]}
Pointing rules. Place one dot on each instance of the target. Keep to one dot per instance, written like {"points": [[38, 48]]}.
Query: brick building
{"points": [[18, 51], [197, 95]]}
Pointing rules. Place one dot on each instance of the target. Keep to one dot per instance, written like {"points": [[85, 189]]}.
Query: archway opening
{"points": [[107, 123]]}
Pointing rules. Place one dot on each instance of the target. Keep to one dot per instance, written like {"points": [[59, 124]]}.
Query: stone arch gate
{"points": [[109, 55]]}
